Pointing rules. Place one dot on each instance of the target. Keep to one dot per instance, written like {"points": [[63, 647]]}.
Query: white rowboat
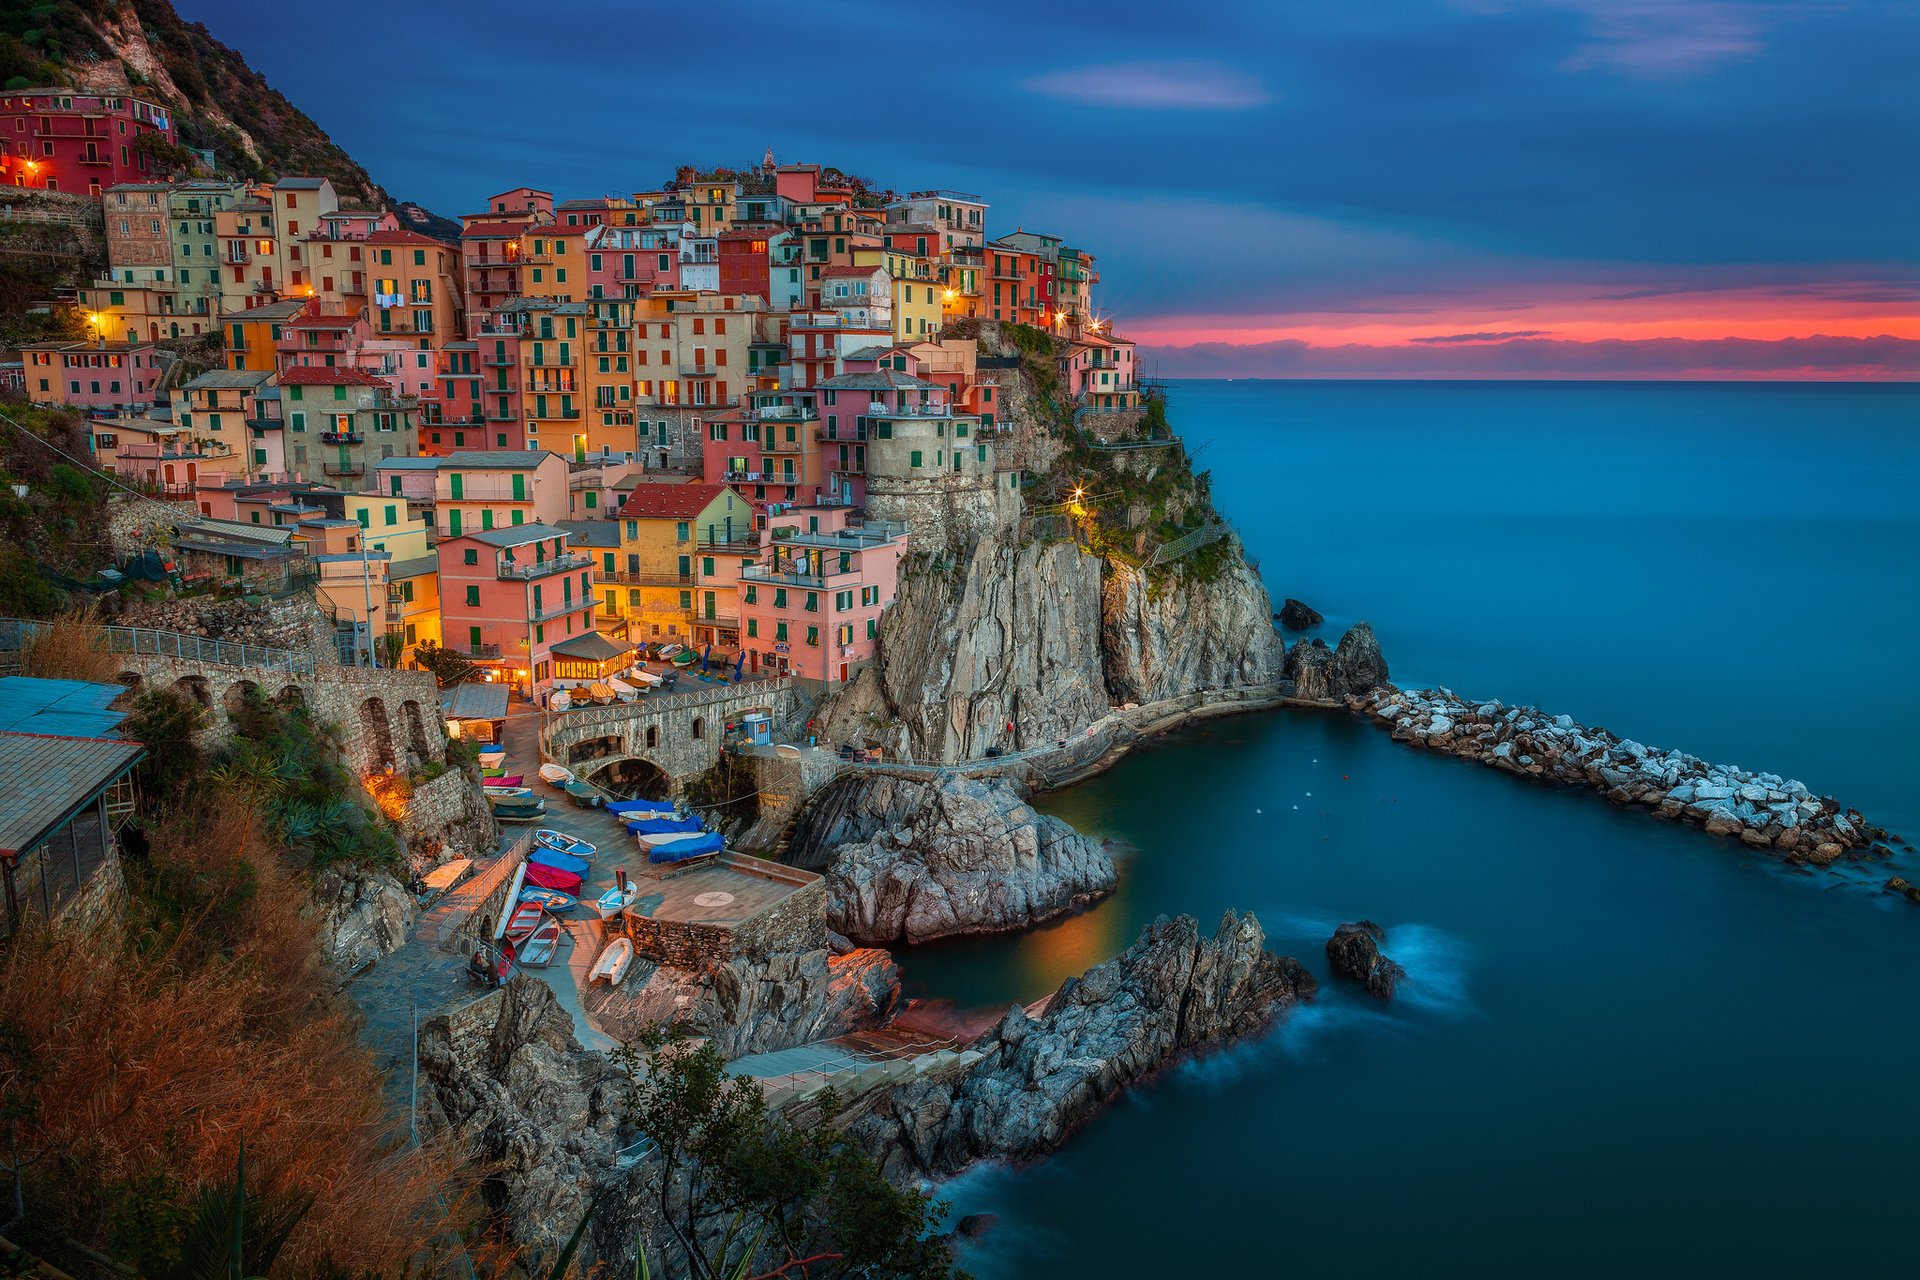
{"points": [[612, 963]]}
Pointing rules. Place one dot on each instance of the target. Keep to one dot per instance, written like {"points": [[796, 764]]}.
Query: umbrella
{"points": [[740, 664], [705, 654]]}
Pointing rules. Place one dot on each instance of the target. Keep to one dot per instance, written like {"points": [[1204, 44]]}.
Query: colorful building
{"points": [[810, 607], [98, 377], [417, 291], [340, 422], [254, 335], [60, 139], [499, 489], [663, 530], [507, 596]]}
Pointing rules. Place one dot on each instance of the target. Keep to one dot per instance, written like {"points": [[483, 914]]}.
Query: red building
{"points": [[64, 140], [1021, 285], [745, 263]]}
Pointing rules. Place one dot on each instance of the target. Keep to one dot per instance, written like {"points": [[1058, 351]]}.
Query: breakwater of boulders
{"points": [[1761, 810]]}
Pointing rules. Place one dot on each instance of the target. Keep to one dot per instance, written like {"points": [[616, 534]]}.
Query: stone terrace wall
{"points": [[798, 922], [448, 817]]}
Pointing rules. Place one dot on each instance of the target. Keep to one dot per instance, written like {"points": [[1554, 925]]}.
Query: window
{"points": [[780, 631], [813, 636], [473, 597], [873, 628], [916, 457], [753, 628], [680, 531], [472, 556]]}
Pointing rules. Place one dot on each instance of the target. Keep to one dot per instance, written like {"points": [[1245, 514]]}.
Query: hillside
{"points": [[220, 103]]}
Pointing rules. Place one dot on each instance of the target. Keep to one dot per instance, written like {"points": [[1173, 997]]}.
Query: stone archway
{"points": [[376, 735], [292, 698], [596, 748], [195, 687], [418, 753], [235, 699], [635, 777]]}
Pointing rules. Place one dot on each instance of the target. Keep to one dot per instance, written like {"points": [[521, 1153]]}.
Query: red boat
{"points": [[551, 877], [524, 920]]}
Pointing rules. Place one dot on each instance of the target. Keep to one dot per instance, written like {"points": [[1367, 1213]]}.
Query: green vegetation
{"points": [[449, 667], [53, 537], [735, 1182]]}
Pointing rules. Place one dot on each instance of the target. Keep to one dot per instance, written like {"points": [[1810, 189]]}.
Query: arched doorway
{"points": [[416, 729], [641, 778], [195, 687], [236, 697], [377, 734]]}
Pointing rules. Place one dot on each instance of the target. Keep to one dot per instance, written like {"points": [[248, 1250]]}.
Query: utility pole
{"points": [[366, 600]]}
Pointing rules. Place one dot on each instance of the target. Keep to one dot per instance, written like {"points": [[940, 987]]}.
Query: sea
{"points": [[1623, 1047]]}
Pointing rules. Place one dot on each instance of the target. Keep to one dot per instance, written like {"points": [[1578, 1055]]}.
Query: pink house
{"points": [[1101, 371], [100, 377], [507, 596], [811, 607]]}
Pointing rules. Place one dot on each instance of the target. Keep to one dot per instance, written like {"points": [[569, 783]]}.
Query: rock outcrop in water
{"points": [[754, 1005], [911, 859], [1761, 810], [1320, 674], [1354, 952], [1295, 616], [1036, 1079]]}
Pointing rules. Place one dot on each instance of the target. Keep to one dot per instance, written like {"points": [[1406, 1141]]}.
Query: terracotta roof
{"points": [[302, 375], [670, 501], [851, 271], [403, 236]]}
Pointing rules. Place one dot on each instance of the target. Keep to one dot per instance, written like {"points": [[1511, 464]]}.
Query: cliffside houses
{"points": [[713, 413]]}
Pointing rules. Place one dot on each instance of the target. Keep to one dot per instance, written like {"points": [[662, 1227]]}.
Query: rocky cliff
{"points": [[1047, 638], [1173, 992], [909, 859], [754, 1005], [362, 915]]}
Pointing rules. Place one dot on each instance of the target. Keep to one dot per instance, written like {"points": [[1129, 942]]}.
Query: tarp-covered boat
{"points": [[552, 878], [540, 857], [693, 847], [653, 826], [558, 774], [632, 809], [654, 839]]}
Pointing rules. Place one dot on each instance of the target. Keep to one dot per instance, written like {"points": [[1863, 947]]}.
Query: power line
{"points": [[85, 464]]}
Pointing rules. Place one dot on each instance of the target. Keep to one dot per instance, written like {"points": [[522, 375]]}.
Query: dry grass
{"points": [[66, 650], [141, 1057]]}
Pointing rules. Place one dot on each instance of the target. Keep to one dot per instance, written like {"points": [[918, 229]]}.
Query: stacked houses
{"points": [[703, 415]]}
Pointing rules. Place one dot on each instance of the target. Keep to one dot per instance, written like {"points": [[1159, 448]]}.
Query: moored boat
{"points": [[561, 842], [492, 757], [501, 791], [551, 878], [542, 945], [612, 962], [549, 899], [641, 808], [695, 847], [523, 920], [658, 839], [544, 857], [656, 826], [584, 795], [519, 811], [619, 898], [501, 780], [559, 775]]}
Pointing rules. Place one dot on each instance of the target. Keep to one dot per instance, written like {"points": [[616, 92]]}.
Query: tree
{"points": [[449, 668], [737, 1185]]}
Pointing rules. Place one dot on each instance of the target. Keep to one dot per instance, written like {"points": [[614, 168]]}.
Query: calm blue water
{"points": [[1624, 1047]]}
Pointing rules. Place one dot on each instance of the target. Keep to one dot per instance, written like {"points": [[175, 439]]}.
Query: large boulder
{"points": [[1309, 665], [1295, 616], [1358, 666], [362, 915], [909, 859], [1354, 953]]}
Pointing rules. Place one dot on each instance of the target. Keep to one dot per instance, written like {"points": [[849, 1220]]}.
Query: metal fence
{"points": [[15, 632]]}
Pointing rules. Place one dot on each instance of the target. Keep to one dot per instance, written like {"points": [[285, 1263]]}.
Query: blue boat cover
{"points": [[696, 846], [563, 861], [660, 826]]}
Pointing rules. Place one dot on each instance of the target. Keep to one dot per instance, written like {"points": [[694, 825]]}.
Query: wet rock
{"points": [[1309, 665], [1357, 663], [1295, 616], [975, 1225], [1899, 885], [1354, 953]]}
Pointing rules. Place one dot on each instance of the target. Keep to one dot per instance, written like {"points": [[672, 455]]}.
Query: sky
{"points": [[1287, 188]]}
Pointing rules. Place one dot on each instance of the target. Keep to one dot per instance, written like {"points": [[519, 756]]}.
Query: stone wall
{"points": [[798, 922], [296, 622], [682, 734], [448, 817]]}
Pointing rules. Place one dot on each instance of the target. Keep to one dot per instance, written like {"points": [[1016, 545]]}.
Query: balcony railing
{"points": [[342, 437], [544, 568], [561, 610], [754, 573], [480, 650], [650, 579], [552, 388], [762, 477], [343, 468], [734, 546], [723, 621]]}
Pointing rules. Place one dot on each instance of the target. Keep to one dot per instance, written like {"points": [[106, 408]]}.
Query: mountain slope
{"points": [[219, 102]]}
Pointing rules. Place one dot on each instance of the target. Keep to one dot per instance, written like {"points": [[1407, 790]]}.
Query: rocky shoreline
{"points": [[1762, 810]]}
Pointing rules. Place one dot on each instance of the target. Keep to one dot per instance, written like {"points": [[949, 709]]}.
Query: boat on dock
{"points": [[492, 757], [540, 948], [501, 791], [634, 809], [523, 920], [651, 840], [583, 795], [519, 811], [561, 842], [543, 857], [501, 779], [612, 962], [694, 847], [557, 774], [552, 878], [549, 899], [619, 898]]}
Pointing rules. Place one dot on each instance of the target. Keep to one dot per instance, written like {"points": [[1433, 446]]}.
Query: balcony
{"points": [[343, 468], [561, 610], [755, 573], [697, 371], [543, 388], [723, 621], [763, 477], [736, 546], [554, 415], [478, 650], [649, 579], [499, 362], [831, 436], [543, 568], [342, 437], [501, 415]]}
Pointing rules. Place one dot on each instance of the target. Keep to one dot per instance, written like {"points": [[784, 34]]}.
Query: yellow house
{"points": [[387, 526], [553, 263], [252, 335], [663, 529], [607, 381], [396, 600]]}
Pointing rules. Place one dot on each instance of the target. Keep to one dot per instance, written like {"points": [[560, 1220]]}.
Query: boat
{"points": [[619, 898], [668, 651], [654, 839], [557, 774], [560, 701], [685, 658], [523, 920], [550, 899], [445, 876], [653, 826], [543, 857], [641, 808], [583, 794], [537, 951], [642, 676], [551, 878], [693, 847], [612, 962], [501, 780], [519, 811], [561, 842], [492, 757], [513, 895], [622, 690], [500, 791]]}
